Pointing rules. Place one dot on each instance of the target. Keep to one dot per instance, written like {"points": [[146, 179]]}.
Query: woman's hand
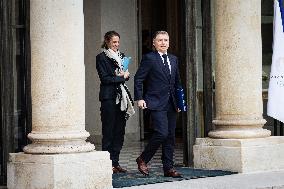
{"points": [[125, 74], [120, 74]]}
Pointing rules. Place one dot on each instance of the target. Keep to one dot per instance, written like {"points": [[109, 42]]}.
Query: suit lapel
{"points": [[173, 65]]}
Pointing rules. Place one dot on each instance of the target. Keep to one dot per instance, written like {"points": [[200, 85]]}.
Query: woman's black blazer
{"points": [[109, 85]]}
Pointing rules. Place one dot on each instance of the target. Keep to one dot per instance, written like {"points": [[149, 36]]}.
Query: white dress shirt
{"points": [[168, 61]]}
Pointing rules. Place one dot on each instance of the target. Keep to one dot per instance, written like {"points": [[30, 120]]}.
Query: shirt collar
{"points": [[160, 53]]}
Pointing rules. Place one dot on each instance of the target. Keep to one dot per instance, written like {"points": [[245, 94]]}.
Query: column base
{"points": [[240, 155], [60, 171], [59, 148], [58, 142], [239, 129], [243, 133]]}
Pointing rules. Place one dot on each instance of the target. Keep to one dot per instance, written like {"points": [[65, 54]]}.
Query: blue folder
{"points": [[125, 62], [181, 104]]}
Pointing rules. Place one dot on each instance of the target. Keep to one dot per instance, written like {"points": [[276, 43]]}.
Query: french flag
{"points": [[276, 83]]}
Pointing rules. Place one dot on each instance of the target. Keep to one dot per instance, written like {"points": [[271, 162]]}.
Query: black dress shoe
{"points": [[172, 173], [142, 167], [118, 169]]}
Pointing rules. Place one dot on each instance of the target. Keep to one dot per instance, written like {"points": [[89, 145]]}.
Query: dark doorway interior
{"points": [[15, 83], [165, 15]]}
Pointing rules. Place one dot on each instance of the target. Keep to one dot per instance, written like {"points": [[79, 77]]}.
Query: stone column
{"points": [[238, 143], [238, 70], [58, 106], [57, 78]]}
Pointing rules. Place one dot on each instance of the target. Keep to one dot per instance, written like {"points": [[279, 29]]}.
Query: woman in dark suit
{"points": [[116, 102]]}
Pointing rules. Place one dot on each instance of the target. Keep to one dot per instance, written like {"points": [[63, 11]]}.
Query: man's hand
{"points": [[141, 104], [178, 110]]}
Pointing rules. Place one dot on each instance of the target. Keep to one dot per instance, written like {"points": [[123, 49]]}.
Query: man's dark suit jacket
{"points": [[158, 84], [109, 81]]}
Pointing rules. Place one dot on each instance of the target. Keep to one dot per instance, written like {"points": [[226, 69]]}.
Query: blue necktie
{"points": [[165, 57]]}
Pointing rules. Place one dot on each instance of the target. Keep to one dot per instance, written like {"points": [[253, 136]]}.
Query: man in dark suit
{"points": [[159, 73]]}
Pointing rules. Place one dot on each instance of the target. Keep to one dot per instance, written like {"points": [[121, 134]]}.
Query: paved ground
{"points": [[267, 180], [130, 152], [263, 180]]}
